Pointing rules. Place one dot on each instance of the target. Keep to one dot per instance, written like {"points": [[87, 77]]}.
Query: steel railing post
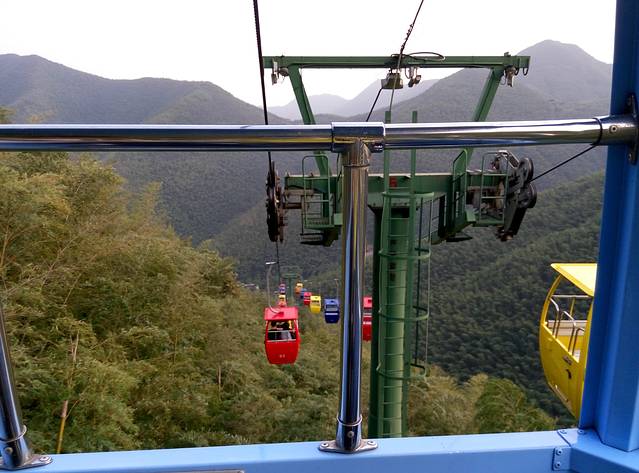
{"points": [[355, 161], [16, 450]]}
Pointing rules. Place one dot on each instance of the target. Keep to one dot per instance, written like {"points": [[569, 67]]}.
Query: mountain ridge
{"points": [[32, 81]]}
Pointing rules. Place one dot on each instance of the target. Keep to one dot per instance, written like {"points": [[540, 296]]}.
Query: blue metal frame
{"points": [[611, 392], [589, 454], [521, 452]]}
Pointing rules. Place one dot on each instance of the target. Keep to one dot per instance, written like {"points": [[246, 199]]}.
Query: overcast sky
{"points": [[214, 40]]}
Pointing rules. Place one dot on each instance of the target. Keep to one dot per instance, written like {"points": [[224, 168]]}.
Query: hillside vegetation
{"points": [[149, 340], [150, 343]]}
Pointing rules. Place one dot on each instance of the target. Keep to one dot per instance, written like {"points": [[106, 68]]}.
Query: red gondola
{"points": [[282, 335], [367, 319], [307, 298]]}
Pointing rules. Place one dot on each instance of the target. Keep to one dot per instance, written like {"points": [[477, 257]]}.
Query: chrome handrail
{"points": [[336, 137]]}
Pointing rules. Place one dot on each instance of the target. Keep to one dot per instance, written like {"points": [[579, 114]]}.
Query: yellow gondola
{"points": [[316, 304], [564, 331]]}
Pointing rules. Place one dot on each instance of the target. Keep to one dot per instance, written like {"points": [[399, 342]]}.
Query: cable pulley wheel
{"points": [[274, 205]]}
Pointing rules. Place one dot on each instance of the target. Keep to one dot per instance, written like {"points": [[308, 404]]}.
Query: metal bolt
{"points": [[350, 434], [581, 432], [558, 451], [325, 444], [563, 431], [557, 465], [370, 442], [613, 128], [45, 458], [8, 450]]}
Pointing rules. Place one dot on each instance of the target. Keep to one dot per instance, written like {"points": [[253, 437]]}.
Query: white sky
{"points": [[214, 40]]}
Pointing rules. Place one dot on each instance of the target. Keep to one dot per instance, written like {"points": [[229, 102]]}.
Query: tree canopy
{"points": [[128, 337]]}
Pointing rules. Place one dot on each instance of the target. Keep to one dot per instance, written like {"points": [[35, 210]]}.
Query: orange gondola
{"points": [[282, 335]]}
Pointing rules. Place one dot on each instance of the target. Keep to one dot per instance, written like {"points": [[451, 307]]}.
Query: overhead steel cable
{"points": [[401, 50], [582, 152], [564, 162], [258, 35], [399, 62], [374, 103], [260, 58]]}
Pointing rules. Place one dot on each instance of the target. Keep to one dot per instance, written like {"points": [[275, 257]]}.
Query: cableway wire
{"points": [[258, 34], [399, 62], [374, 103], [565, 162], [401, 50], [592, 146]]}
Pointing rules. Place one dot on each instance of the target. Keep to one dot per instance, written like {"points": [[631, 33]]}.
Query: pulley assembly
{"points": [[274, 205]]}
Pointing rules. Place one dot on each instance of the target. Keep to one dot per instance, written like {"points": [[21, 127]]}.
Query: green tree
{"points": [[503, 407]]}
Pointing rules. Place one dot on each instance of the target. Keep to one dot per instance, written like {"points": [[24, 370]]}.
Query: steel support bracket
{"points": [[631, 109], [561, 459], [332, 447], [561, 455], [33, 462]]}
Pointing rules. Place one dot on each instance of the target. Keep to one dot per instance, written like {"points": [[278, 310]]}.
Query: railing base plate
{"points": [[364, 446]]}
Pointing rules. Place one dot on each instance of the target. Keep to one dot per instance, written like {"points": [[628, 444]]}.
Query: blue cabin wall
{"points": [[611, 390]]}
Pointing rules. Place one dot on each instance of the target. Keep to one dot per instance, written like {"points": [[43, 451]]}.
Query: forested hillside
{"points": [[199, 190], [147, 342]]}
